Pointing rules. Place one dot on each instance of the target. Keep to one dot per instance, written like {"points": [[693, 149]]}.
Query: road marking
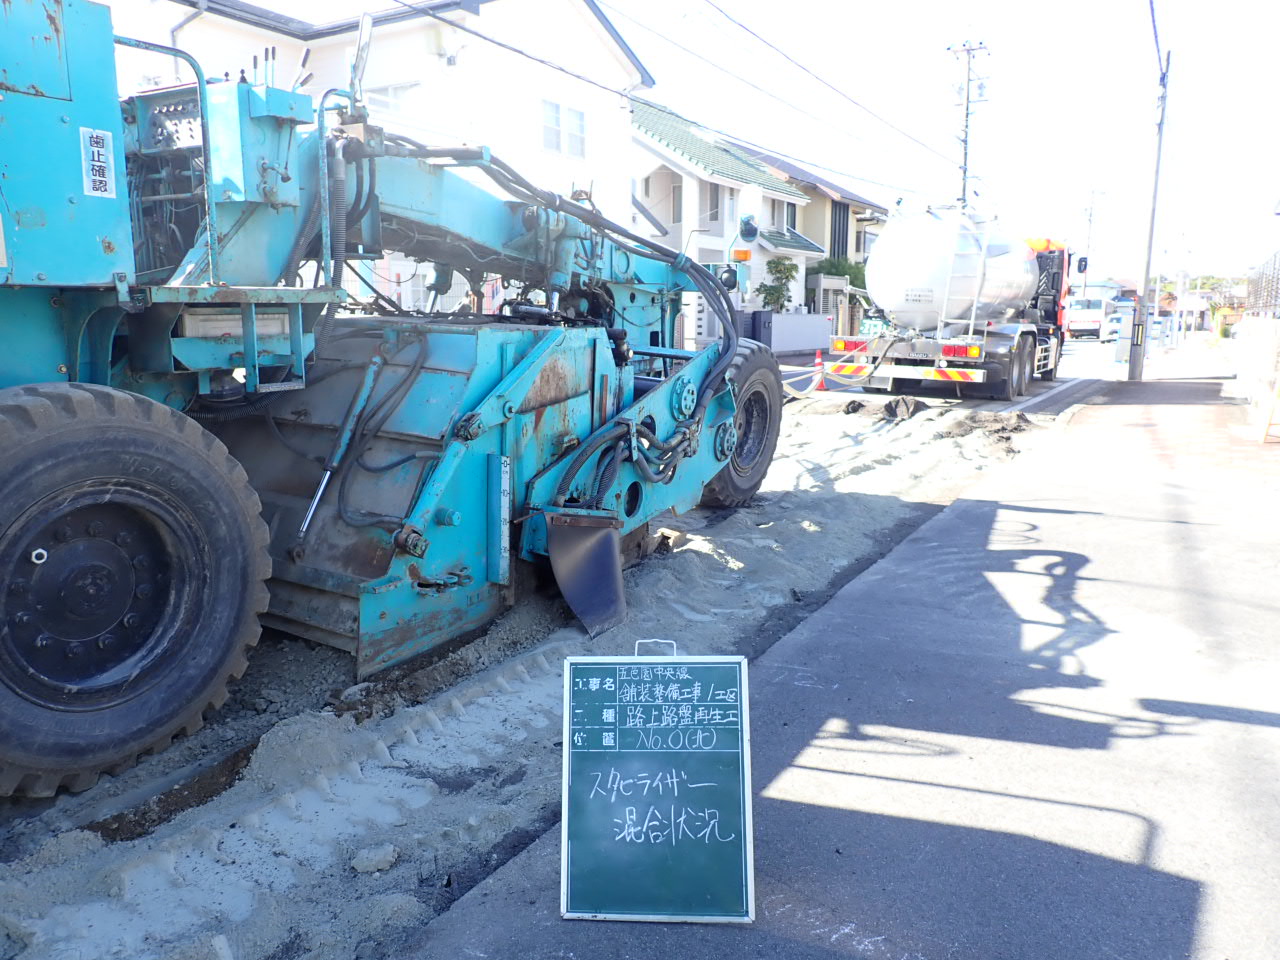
{"points": [[1079, 382]]}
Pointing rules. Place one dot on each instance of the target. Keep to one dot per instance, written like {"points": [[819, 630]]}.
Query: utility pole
{"points": [[968, 51], [1088, 243], [1138, 345]]}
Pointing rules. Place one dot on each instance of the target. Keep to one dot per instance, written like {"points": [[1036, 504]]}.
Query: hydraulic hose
{"points": [[361, 210], [591, 445], [367, 428], [310, 225], [707, 284], [337, 238], [661, 475], [652, 438], [608, 473], [357, 195]]}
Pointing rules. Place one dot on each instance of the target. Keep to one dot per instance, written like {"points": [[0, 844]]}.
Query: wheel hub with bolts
{"points": [[133, 568], [684, 398], [88, 590], [726, 440]]}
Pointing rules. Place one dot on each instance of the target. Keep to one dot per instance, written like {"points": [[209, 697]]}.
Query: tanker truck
{"points": [[968, 306]]}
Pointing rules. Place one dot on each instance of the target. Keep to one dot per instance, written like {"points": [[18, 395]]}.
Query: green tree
{"points": [[841, 267], [776, 295]]}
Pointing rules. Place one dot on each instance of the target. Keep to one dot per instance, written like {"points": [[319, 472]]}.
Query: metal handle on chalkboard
{"points": [[671, 643]]}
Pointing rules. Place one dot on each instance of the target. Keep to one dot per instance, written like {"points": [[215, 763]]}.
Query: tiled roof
{"points": [[799, 174], [789, 239], [717, 158]]}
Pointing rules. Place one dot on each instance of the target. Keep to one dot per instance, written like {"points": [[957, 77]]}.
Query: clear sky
{"points": [[1068, 126], [1069, 123]]}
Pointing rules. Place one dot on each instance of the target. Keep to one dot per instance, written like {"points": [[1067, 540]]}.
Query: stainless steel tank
{"points": [[930, 265]]}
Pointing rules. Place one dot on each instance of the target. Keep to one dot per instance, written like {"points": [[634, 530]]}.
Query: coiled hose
{"points": [[614, 431], [608, 473]]}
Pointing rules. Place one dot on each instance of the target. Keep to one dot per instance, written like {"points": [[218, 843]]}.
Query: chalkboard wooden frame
{"points": [[743, 793]]}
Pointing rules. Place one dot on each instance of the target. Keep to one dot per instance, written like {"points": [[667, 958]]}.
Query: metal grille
{"points": [[1264, 287]]}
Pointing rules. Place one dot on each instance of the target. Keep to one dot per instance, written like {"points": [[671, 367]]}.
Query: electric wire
{"points": [[828, 84], [633, 99], [725, 70]]}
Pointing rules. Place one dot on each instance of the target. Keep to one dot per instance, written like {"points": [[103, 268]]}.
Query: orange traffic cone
{"points": [[821, 382]]}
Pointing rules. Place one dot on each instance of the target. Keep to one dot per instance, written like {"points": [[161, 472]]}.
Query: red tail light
{"points": [[842, 345]]}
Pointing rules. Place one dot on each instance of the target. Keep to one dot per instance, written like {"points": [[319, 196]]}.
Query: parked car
{"points": [[1085, 317], [1115, 324]]}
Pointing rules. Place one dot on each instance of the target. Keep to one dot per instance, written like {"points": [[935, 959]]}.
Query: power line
{"points": [[723, 69], [608, 89], [828, 84], [1155, 34], [423, 11]]}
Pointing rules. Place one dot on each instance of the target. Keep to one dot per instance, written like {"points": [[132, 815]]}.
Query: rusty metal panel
{"points": [[35, 65], [63, 187]]}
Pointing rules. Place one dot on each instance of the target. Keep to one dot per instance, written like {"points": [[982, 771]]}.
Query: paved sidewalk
{"points": [[1045, 727]]}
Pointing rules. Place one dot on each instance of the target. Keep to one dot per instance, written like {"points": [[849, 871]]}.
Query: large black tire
{"points": [[757, 390], [134, 561], [1007, 388], [1026, 370]]}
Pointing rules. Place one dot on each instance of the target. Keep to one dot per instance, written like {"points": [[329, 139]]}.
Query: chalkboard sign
{"points": [[656, 815]]}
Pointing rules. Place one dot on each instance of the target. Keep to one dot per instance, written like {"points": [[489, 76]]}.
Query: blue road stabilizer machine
{"points": [[200, 430]]}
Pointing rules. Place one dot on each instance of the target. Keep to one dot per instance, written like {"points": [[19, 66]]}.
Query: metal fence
{"points": [[1264, 288]]}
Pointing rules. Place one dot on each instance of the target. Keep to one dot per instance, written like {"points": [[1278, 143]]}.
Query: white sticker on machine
{"points": [[4, 257], [96, 159]]}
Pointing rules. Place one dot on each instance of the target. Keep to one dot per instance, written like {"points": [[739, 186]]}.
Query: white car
{"points": [[1115, 325]]}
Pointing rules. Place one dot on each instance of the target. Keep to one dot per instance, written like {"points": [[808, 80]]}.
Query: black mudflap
{"points": [[586, 558]]}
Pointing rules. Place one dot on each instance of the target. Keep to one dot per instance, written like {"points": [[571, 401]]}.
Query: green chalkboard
{"points": [[656, 815]]}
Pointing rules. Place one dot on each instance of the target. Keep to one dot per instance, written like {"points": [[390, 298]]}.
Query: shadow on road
{"points": [[1197, 391], [1210, 711], [951, 635]]}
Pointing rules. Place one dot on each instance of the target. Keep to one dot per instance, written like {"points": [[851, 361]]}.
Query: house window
{"points": [[646, 188], [564, 130], [551, 125], [575, 133], [713, 202], [392, 101], [839, 229], [782, 213], [677, 202]]}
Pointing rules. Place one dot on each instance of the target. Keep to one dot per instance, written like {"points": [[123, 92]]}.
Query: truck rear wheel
{"points": [[757, 390], [134, 563], [1026, 369], [1013, 383]]}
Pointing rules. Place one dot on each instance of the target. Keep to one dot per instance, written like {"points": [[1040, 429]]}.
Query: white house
{"points": [[433, 82], [692, 190]]}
